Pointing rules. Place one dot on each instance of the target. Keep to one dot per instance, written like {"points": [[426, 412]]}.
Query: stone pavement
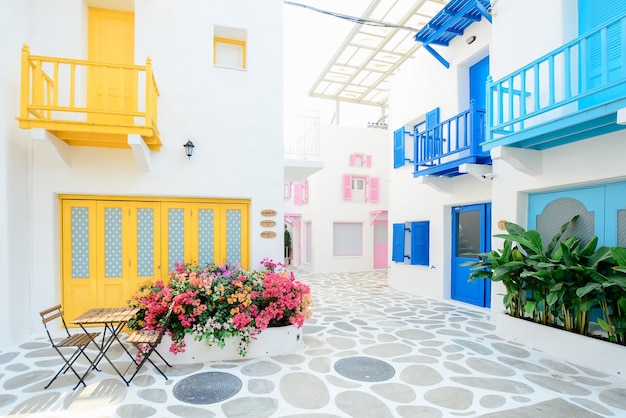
{"points": [[369, 351]]}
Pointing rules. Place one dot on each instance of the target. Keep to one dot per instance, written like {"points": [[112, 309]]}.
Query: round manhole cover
{"points": [[364, 369], [206, 388]]}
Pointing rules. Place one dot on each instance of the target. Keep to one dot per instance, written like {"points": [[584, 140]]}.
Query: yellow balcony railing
{"points": [[89, 103]]}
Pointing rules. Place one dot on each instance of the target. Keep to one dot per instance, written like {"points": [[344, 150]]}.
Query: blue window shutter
{"points": [[398, 148], [420, 251], [432, 118], [397, 249]]}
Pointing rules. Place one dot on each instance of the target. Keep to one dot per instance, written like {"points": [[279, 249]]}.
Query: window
{"points": [[347, 239], [360, 160], [301, 192], [358, 189], [411, 243], [361, 188], [229, 47]]}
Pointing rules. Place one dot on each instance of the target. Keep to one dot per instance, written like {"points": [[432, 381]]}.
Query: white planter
{"points": [[578, 349], [270, 342]]}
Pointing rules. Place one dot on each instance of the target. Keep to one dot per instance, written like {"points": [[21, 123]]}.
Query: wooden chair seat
{"points": [[79, 341]]}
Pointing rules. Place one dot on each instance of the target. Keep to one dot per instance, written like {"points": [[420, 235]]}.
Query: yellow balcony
{"points": [[87, 103]]}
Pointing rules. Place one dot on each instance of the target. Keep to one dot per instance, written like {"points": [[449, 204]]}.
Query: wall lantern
{"points": [[189, 146]]}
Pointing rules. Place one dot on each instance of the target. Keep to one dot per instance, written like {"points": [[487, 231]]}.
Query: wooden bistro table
{"points": [[113, 320]]}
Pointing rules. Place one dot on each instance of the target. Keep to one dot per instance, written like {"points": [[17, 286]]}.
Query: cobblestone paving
{"points": [[401, 356]]}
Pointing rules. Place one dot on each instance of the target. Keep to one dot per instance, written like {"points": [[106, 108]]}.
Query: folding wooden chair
{"points": [[78, 341], [149, 338]]}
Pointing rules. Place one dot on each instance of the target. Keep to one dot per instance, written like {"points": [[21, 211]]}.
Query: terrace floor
{"points": [[369, 351]]}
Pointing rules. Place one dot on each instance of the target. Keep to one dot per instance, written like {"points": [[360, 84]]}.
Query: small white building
{"points": [[337, 217], [97, 99]]}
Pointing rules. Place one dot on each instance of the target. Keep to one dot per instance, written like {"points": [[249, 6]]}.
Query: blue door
{"points": [[601, 210], [478, 74], [478, 78], [471, 235]]}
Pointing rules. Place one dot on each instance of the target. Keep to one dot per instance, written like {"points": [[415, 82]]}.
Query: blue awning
{"points": [[450, 22]]}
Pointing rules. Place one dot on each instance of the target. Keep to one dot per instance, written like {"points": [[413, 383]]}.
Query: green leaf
{"points": [[535, 245], [552, 298], [588, 288], [603, 253], [556, 238], [587, 305], [604, 325], [514, 229], [619, 255], [530, 306], [590, 247]]}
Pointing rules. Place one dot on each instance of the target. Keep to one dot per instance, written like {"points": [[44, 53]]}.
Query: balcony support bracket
{"points": [[621, 116], [141, 152], [525, 160], [63, 150], [480, 171], [441, 184]]}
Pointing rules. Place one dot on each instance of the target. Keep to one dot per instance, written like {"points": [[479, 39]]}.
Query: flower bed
{"points": [[217, 302]]}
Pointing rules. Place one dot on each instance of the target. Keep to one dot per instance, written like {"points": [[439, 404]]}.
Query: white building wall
{"points": [[326, 205], [234, 117], [16, 262], [422, 85]]}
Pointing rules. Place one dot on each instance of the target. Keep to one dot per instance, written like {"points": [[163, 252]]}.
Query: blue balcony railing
{"points": [[442, 149], [569, 94]]}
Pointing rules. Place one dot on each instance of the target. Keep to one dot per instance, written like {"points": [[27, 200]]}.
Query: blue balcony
{"points": [[440, 150], [572, 93]]}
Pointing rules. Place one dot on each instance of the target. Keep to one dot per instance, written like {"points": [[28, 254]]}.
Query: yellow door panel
{"points": [[234, 230], [145, 243], [113, 270], [176, 233], [78, 265], [204, 236], [112, 40]]}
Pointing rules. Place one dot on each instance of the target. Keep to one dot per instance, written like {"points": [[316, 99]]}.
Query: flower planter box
{"points": [[270, 342], [581, 350]]}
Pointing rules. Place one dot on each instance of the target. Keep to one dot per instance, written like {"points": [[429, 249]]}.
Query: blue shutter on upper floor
{"points": [[432, 118], [592, 14], [420, 251], [397, 249], [398, 148]]}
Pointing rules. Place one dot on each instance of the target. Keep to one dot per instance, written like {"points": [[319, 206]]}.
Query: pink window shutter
{"points": [[373, 189], [368, 161], [347, 187], [297, 193], [305, 191], [287, 190], [352, 160]]}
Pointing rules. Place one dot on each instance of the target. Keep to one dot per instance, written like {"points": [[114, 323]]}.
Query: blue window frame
{"points": [[411, 243]]}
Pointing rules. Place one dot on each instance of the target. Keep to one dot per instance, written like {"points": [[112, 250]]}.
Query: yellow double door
{"points": [[111, 247]]}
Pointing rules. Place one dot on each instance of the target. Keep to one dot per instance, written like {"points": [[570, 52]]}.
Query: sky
{"points": [[310, 41]]}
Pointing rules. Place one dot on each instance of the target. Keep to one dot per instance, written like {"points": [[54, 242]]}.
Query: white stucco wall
{"points": [[234, 118], [16, 262]]}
